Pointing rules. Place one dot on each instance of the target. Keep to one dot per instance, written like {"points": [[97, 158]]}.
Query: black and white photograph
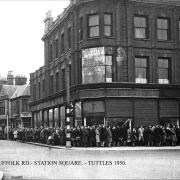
{"points": [[89, 89]]}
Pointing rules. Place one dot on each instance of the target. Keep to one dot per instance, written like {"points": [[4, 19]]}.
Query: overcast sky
{"points": [[21, 30]]}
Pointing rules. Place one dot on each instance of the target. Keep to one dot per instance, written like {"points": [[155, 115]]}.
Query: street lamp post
{"points": [[68, 122], [7, 126]]}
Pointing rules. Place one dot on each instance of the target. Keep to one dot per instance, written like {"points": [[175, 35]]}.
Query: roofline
{"points": [[59, 19], [162, 2]]}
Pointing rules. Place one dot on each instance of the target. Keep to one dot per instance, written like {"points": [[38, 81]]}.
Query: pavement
{"points": [[40, 161], [121, 148]]}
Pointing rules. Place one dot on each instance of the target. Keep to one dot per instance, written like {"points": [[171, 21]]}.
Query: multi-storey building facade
{"points": [[20, 111], [123, 58], [6, 92]]}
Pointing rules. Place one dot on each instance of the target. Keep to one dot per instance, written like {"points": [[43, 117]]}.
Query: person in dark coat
{"points": [[78, 136], [103, 136], [177, 129], [85, 135], [92, 136]]}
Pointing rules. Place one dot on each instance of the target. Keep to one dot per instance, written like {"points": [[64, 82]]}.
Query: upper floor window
{"points": [[96, 66], [34, 92], [50, 52], [163, 70], [69, 37], [81, 29], [62, 43], [63, 78], [108, 24], [51, 84], [25, 106], [163, 29], [179, 29], [57, 81], [44, 85], [141, 70], [2, 108], [56, 48], [93, 25], [39, 90], [140, 27]]}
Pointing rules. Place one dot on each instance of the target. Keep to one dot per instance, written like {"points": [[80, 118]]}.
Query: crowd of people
{"points": [[101, 136]]}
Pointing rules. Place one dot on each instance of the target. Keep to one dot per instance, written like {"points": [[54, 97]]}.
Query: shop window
{"points": [[163, 29], [93, 25], [140, 27], [163, 70], [96, 66], [81, 29], [141, 69], [108, 24]]}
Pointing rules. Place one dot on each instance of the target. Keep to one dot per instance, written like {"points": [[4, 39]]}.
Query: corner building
{"points": [[124, 63]]}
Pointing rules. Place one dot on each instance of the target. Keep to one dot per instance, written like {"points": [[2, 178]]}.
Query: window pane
{"points": [[93, 65], [107, 19], [162, 23], [139, 21], [93, 20], [162, 34], [141, 73], [140, 62], [108, 72], [109, 60], [107, 31], [140, 33], [94, 31]]}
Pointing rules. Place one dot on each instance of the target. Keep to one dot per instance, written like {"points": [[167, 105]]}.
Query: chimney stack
{"points": [[10, 78]]}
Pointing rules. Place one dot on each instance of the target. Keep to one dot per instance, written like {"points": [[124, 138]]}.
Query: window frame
{"points": [[146, 28], [179, 30], [141, 67], [69, 38], [168, 30], [89, 27], [108, 25], [57, 81], [50, 52], [104, 67], [81, 30], [168, 69], [56, 48], [62, 43]]}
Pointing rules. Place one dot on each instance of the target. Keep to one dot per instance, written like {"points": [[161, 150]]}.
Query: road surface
{"points": [[28, 161]]}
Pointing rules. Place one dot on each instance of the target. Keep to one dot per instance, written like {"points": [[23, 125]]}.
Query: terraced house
{"points": [[122, 58]]}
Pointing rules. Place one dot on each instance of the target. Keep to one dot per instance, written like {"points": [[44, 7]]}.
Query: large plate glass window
{"points": [[141, 69], [93, 25], [96, 66]]}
